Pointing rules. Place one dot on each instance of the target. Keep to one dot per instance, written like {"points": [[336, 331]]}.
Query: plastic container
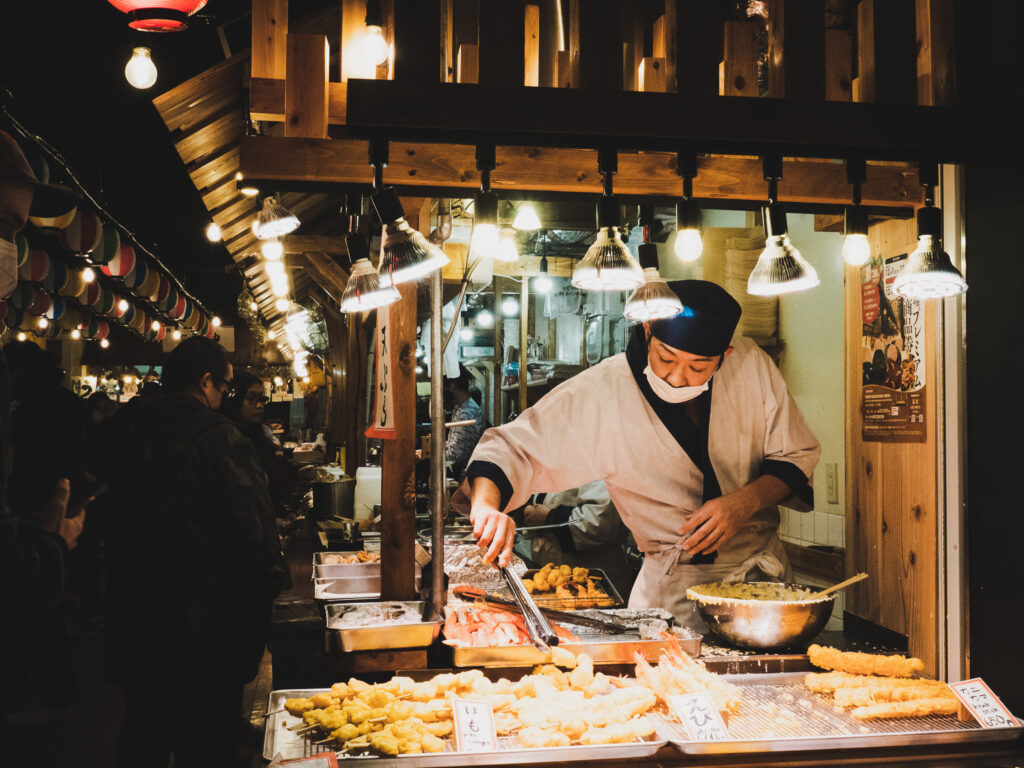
{"points": [[367, 494]]}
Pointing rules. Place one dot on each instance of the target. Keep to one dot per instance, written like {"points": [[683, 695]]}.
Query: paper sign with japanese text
{"points": [[984, 705], [383, 425], [699, 716], [474, 726]]}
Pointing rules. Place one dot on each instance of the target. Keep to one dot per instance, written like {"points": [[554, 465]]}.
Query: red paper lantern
{"points": [[158, 15], [83, 235], [36, 266], [121, 263]]}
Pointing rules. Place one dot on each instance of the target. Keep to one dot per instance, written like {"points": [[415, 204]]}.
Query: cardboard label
{"points": [[699, 716], [474, 726], [983, 705]]}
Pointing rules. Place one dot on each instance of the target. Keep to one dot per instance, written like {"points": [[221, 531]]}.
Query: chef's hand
{"points": [[492, 529], [535, 514], [53, 518], [718, 520]]}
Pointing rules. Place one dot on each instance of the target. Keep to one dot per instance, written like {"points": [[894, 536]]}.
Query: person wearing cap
{"points": [[694, 434]]}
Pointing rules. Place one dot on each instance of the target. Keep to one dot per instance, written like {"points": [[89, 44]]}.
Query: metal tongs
{"points": [[538, 627]]}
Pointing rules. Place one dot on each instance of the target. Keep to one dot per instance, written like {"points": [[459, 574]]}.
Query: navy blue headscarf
{"points": [[707, 322]]}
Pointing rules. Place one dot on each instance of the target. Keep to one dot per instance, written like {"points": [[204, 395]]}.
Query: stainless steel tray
{"points": [[347, 588], [543, 600], [277, 739], [778, 714], [344, 570], [373, 638]]}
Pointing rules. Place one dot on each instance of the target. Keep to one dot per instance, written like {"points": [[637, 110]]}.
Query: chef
{"points": [[695, 436]]}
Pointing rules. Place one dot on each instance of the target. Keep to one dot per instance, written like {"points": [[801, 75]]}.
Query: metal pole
{"points": [[524, 308], [437, 478]]}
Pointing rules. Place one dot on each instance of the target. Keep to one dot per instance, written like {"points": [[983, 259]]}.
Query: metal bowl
{"points": [[763, 624]]}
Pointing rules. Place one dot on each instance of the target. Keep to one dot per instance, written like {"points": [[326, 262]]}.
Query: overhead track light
{"points": [[484, 241], [526, 218], [929, 272], [363, 290], [856, 248], [274, 220], [780, 268], [689, 243], [406, 255], [608, 265], [652, 299]]}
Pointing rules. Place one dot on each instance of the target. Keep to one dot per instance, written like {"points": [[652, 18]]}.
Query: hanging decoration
{"points": [[57, 277], [23, 248], [41, 302], [109, 248], [74, 286], [122, 262], [83, 235], [137, 275], [158, 15], [383, 425], [36, 266]]}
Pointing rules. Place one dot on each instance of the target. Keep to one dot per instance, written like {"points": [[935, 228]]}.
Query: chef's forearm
{"points": [[484, 492], [765, 491]]}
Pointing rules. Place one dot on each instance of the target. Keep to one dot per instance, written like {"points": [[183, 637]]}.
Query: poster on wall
{"points": [[892, 357], [383, 425]]}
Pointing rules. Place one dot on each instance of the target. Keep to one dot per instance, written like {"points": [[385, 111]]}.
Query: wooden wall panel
{"points": [[305, 87], [892, 520], [269, 32]]}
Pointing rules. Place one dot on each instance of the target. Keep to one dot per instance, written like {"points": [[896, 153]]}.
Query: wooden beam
{"points": [[468, 68], [417, 33], [330, 269], [652, 75], [596, 44], [936, 65], [886, 52], [502, 34], [314, 244], [269, 37], [734, 125], [648, 174], [547, 72], [737, 72], [693, 39], [398, 465], [531, 51], [838, 65], [796, 49], [353, 28], [305, 88]]}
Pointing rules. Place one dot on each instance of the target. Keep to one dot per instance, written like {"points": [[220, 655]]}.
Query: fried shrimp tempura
{"points": [[878, 694], [828, 682], [863, 663], [916, 708]]}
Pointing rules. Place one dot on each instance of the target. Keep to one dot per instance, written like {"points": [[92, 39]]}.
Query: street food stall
{"points": [[430, 657]]}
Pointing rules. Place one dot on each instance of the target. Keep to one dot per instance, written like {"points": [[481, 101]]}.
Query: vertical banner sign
{"points": [[892, 357], [983, 705], [474, 726], [383, 425], [700, 718]]}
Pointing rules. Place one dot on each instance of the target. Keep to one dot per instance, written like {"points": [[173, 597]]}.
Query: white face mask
{"points": [[670, 394], [8, 268]]}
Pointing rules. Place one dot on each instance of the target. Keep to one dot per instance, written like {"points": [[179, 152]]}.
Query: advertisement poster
{"points": [[383, 425], [892, 357]]}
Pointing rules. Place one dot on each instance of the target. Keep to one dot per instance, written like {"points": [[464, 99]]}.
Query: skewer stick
{"points": [[275, 712], [324, 741]]}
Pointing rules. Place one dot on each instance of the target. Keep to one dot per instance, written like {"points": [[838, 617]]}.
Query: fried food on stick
{"points": [[828, 682], [878, 694], [916, 708], [864, 663]]}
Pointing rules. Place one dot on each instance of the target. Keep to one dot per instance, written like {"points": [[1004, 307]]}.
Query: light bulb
{"points": [[542, 283], [275, 270], [507, 250], [245, 189], [122, 305], [254, 306], [215, 322], [271, 335], [279, 288], [856, 250], [76, 334], [484, 242], [689, 244], [176, 334], [88, 275], [526, 218], [155, 327], [272, 250], [510, 307], [22, 336], [485, 319], [278, 381], [43, 322], [305, 379], [419, 369], [104, 343], [213, 233], [140, 71], [282, 305], [465, 334], [375, 49], [274, 220]]}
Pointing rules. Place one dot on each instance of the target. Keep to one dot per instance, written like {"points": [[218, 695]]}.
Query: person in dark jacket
{"points": [[246, 408], [194, 567]]}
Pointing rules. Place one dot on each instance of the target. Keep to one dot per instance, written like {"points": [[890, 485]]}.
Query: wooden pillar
{"points": [[936, 66], [269, 36], [417, 40], [353, 26], [305, 87], [398, 466], [531, 49], [838, 65], [737, 72], [595, 44], [550, 43], [796, 49], [693, 42], [502, 34], [886, 52]]}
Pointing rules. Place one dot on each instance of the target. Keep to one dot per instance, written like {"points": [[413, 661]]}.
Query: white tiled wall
{"points": [[808, 528]]}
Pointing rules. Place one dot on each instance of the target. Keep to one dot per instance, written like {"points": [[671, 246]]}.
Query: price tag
{"points": [[983, 705], [474, 726], [700, 717]]}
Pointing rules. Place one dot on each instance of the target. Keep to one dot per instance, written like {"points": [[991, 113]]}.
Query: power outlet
{"points": [[832, 482]]}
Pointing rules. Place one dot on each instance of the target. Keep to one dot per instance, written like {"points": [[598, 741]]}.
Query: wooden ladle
{"points": [[837, 587]]}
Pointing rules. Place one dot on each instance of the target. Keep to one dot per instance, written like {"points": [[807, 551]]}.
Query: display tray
{"points": [[365, 585], [549, 600], [389, 636], [778, 714], [278, 740], [324, 571]]}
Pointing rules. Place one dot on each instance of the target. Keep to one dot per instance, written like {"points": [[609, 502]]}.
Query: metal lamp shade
{"points": [[780, 269], [363, 290], [275, 220], [608, 265], [929, 273], [652, 300], [407, 255]]}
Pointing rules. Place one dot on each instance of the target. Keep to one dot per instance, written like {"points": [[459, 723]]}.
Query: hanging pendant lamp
{"points": [[158, 15], [363, 290]]}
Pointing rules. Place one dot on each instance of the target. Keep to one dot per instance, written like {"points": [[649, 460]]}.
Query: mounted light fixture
{"points": [[213, 233], [140, 71], [652, 299], [780, 268], [929, 273], [406, 255], [281, 305], [155, 326], [374, 48], [88, 275], [176, 334], [274, 220], [158, 15], [104, 343], [215, 321], [363, 290], [689, 242], [526, 218], [608, 265], [542, 283], [76, 334], [510, 307], [484, 241], [246, 189], [485, 319], [508, 250], [123, 305], [856, 248], [272, 250]]}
